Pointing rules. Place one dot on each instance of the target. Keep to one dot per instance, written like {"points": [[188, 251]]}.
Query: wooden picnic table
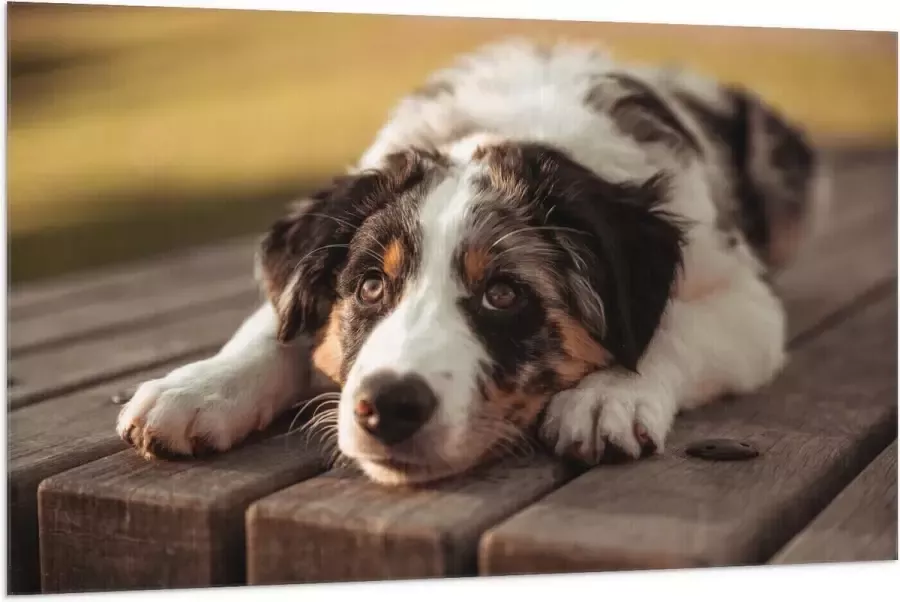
{"points": [[87, 514]]}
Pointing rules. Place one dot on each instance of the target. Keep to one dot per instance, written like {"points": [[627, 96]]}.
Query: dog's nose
{"points": [[391, 407]]}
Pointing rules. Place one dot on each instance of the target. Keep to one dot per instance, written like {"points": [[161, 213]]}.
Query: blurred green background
{"points": [[134, 131]]}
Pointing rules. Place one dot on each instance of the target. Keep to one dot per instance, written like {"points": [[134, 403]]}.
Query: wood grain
{"points": [[107, 316], [855, 252], [342, 527], [859, 525], [829, 413], [55, 371], [144, 312], [166, 272], [123, 523], [46, 439]]}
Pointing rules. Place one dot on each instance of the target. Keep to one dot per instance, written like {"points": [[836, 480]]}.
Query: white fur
{"points": [[221, 399], [426, 333]]}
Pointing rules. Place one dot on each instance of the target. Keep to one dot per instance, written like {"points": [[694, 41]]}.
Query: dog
{"points": [[541, 243]]}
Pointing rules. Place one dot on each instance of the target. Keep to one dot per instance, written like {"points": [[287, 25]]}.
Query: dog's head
{"points": [[451, 298]]}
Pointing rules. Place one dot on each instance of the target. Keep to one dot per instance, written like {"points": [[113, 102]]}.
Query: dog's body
{"points": [[539, 238]]}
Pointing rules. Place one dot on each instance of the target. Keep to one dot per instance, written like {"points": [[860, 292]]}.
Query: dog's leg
{"points": [[729, 341], [214, 403]]}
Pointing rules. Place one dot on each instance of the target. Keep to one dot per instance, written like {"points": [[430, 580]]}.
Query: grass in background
{"points": [[133, 131]]}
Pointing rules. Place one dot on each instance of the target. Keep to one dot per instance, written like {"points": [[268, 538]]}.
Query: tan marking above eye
{"points": [[475, 263], [394, 256]]}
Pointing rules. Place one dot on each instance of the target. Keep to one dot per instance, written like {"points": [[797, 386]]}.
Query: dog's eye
{"points": [[499, 296], [372, 289]]}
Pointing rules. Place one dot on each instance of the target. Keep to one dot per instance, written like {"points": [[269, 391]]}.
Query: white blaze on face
{"points": [[427, 333]]}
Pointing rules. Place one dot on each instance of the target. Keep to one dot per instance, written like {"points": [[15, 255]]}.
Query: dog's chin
{"points": [[394, 473]]}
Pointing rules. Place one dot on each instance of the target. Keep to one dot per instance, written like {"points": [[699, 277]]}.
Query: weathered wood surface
{"points": [[46, 439], [859, 525], [59, 370], [67, 335], [858, 243], [341, 527], [130, 281], [108, 316], [124, 523], [830, 412], [142, 519]]}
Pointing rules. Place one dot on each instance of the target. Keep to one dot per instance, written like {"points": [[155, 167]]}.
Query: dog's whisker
{"points": [[333, 218], [325, 431], [322, 248], [294, 421], [327, 419], [291, 426], [547, 254], [323, 421], [536, 228], [323, 397], [355, 229]]}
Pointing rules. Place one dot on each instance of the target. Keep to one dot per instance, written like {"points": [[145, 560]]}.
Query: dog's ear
{"points": [[297, 257], [300, 257], [779, 178], [624, 252]]}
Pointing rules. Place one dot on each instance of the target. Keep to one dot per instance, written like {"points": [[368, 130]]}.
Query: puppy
{"points": [[540, 241]]}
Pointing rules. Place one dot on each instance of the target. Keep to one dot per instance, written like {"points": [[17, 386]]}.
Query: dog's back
{"points": [[766, 180]]}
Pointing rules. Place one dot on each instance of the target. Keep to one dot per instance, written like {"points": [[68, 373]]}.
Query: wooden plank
{"points": [[49, 438], [279, 526], [817, 426], [123, 523], [84, 423], [131, 280], [859, 243], [342, 527], [859, 525], [106, 316], [54, 371]]}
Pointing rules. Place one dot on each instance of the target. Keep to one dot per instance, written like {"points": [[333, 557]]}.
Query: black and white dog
{"points": [[540, 241]]}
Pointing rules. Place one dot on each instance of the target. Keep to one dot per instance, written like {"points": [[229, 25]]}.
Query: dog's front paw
{"points": [[605, 411], [186, 413]]}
